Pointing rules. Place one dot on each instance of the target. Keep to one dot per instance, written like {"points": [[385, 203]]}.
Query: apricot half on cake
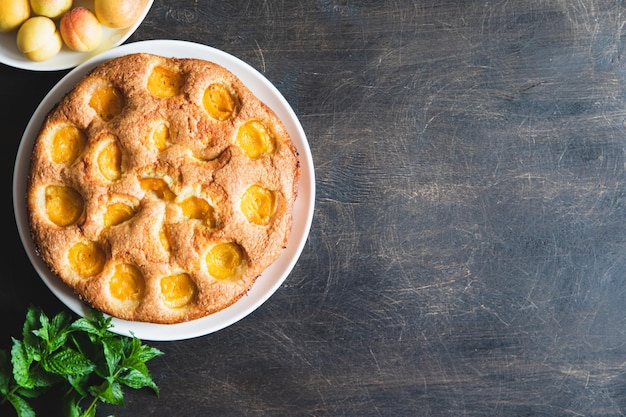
{"points": [[255, 139], [218, 101], [109, 161], [161, 188], [126, 284], [64, 205], [107, 101], [164, 82], [87, 258], [117, 213], [67, 143], [225, 260], [178, 290], [258, 204]]}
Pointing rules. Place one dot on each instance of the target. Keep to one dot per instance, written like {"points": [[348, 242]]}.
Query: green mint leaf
{"points": [[135, 378], [59, 329], [21, 406], [31, 323], [135, 371], [21, 362], [79, 383], [143, 352], [68, 362], [71, 404], [42, 333], [5, 372], [26, 371], [95, 324], [86, 326], [113, 353], [26, 353], [98, 317], [109, 391], [42, 330], [29, 392], [88, 345], [53, 332]]}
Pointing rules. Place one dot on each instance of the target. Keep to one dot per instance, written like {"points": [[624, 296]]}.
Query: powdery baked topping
{"points": [[161, 188]]}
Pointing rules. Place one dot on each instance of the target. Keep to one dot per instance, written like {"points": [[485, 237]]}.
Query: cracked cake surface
{"points": [[161, 188]]}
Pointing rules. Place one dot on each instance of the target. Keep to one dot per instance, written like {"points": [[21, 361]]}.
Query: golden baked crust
{"points": [[161, 188]]}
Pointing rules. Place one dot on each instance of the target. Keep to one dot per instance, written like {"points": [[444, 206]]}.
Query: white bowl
{"points": [[10, 55], [268, 282]]}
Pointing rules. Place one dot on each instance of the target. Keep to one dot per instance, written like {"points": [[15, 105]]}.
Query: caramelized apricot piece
{"points": [[225, 260], [255, 139], [178, 290], [258, 204], [164, 239], [127, 283], [117, 213], [107, 101], [68, 143], [87, 258], [64, 205], [161, 136], [159, 187], [164, 83], [199, 209], [110, 161], [218, 101]]}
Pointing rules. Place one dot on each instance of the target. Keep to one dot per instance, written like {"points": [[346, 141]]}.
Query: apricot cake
{"points": [[161, 188]]}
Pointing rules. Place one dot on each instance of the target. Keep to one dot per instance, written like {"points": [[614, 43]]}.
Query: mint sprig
{"points": [[82, 355]]}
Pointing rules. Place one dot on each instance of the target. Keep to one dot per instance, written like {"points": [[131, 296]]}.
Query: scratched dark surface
{"points": [[468, 251]]}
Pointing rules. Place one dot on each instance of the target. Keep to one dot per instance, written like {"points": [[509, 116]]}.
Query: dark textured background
{"points": [[468, 249]]}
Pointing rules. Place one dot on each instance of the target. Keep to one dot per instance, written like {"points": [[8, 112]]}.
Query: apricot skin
{"points": [[38, 39], [80, 29], [117, 14], [13, 13]]}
